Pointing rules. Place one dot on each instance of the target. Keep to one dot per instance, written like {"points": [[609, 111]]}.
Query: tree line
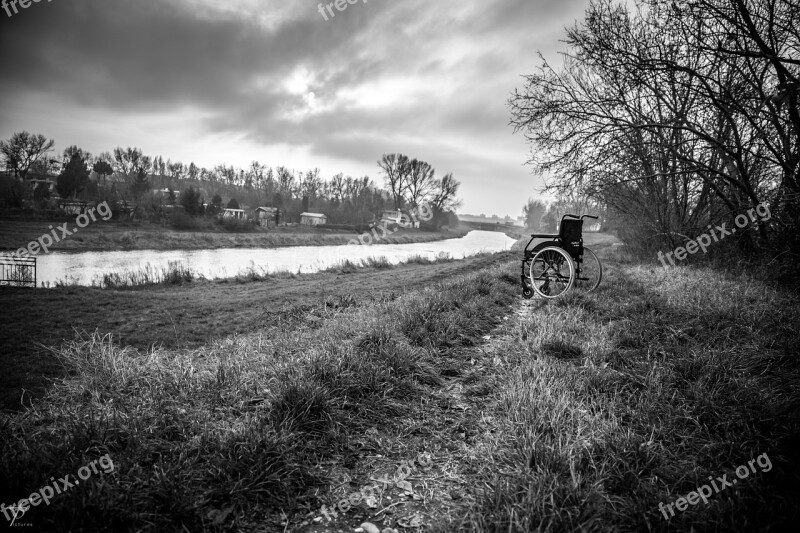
{"points": [[128, 174], [675, 115]]}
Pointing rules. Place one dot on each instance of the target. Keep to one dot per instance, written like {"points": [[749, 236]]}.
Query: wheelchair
{"points": [[551, 268]]}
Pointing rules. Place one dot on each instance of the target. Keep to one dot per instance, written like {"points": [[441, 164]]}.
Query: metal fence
{"points": [[17, 272]]}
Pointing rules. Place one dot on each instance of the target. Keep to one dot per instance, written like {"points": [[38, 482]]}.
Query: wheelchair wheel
{"points": [[591, 271], [527, 293], [527, 290], [552, 272]]}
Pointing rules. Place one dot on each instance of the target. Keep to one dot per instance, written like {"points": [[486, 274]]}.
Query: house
{"points": [[233, 214], [49, 184], [399, 218], [313, 219], [391, 217], [268, 216]]}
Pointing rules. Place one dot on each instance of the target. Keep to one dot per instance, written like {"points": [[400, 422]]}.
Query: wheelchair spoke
{"points": [[552, 272]]}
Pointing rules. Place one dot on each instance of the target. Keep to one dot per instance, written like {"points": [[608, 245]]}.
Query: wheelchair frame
{"points": [[564, 249]]}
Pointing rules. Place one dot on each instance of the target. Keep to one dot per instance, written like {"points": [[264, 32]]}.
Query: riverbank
{"points": [[188, 315], [584, 413], [125, 236]]}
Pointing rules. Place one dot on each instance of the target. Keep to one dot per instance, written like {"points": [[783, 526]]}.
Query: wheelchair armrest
{"points": [[543, 236]]}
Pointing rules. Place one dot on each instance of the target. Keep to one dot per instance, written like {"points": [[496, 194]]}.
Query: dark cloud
{"points": [[276, 73]]}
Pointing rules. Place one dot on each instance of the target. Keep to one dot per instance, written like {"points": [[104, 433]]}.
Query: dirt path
{"points": [[456, 425]]}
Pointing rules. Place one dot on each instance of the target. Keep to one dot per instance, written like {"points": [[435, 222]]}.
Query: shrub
{"points": [[379, 263], [181, 220], [231, 224]]}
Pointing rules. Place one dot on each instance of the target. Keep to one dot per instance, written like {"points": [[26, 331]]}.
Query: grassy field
{"points": [[110, 236], [34, 323], [583, 413]]}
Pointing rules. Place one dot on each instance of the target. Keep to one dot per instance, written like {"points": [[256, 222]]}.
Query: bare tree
{"points": [[286, 182], [131, 160], [23, 150], [338, 187], [226, 173], [669, 117], [311, 183], [420, 182], [533, 212], [395, 168], [192, 171], [75, 150], [444, 194], [175, 170]]}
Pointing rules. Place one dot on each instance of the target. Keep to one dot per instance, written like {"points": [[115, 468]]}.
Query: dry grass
{"points": [[237, 428], [114, 235], [615, 401], [581, 414]]}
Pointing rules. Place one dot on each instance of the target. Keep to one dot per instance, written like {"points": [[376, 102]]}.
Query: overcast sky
{"points": [[271, 80]]}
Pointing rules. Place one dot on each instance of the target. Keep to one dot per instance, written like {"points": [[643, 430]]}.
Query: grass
{"points": [[183, 316], [425, 260], [177, 273], [117, 235], [580, 414], [237, 427], [616, 401], [382, 263]]}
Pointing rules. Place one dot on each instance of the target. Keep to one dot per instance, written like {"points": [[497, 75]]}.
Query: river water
{"points": [[86, 267]]}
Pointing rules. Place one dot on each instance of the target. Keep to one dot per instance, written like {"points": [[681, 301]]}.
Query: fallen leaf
{"points": [[369, 527], [412, 521], [404, 485]]}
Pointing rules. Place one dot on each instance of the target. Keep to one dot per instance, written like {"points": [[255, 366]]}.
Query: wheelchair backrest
{"points": [[570, 234]]}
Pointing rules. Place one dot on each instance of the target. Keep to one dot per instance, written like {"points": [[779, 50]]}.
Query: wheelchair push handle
{"points": [[568, 215]]}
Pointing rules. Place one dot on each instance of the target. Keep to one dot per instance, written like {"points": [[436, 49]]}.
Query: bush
{"points": [[231, 224], [191, 201], [181, 220], [175, 273], [378, 263], [12, 192]]}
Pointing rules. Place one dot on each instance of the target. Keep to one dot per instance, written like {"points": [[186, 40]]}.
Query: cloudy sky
{"points": [[271, 80]]}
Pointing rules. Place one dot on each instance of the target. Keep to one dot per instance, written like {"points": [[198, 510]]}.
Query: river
{"points": [[86, 267]]}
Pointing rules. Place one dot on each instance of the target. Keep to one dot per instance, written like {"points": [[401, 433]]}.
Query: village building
{"points": [[313, 219], [399, 218], [48, 183], [233, 214], [268, 217]]}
